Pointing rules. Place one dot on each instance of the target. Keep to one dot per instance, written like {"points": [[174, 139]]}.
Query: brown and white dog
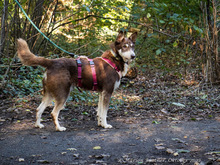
{"points": [[61, 75]]}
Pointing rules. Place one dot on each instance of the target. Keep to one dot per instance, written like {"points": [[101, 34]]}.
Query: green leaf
{"points": [[158, 51], [161, 21], [85, 113], [167, 41], [155, 122], [127, 8], [88, 9], [175, 44], [197, 29]]}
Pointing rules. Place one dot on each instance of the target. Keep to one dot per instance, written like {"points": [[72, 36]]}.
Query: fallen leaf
{"points": [[212, 152], [21, 159], [2, 120], [178, 104], [160, 147], [160, 144], [178, 140], [158, 140], [99, 162], [72, 149], [196, 163], [97, 148], [164, 111], [43, 137], [175, 154], [182, 151], [170, 151], [76, 155]]}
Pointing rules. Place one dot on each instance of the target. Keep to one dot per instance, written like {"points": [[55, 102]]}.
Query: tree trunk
{"points": [[36, 18], [211, 66], [215, 41], [3, 28]]}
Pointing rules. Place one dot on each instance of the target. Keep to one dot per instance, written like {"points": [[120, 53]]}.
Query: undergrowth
{"points": [[23, 81]]}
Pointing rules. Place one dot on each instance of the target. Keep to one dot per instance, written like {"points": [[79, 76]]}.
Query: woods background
{"points": [[179, 38]]}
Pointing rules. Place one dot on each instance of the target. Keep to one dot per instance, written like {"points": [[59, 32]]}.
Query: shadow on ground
{"points": [[131, 141]]}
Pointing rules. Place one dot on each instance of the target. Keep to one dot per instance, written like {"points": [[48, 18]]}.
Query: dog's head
{"points": [[124, 46]]}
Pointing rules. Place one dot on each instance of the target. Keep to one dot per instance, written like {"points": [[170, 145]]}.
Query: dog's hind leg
{"points": [[45, 102], [104, 109], [100, 106], [59, 105]]}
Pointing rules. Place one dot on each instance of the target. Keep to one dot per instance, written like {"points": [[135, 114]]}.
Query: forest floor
{"points": [[156, 120]]}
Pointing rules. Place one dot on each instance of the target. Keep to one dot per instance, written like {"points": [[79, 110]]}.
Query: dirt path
{"points": [[155, 120], [132, 141]]}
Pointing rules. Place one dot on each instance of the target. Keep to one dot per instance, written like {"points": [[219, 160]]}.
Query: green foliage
{"points": [[25, 82], [91, 99], [167, 32], [85, 97]]}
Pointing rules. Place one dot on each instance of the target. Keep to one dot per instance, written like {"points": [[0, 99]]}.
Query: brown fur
{"points": [[61, 74], [65, 70]]}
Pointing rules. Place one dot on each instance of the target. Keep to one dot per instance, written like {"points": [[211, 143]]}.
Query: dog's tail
{"points": [[28, 58]]}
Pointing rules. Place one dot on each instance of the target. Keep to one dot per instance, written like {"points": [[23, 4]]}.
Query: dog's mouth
{"points": [[128, 60]]}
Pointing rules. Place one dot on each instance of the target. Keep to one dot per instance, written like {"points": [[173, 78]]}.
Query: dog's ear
{"points": [[133, 37], [120, 37]]}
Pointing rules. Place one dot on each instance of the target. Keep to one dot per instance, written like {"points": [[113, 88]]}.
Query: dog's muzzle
{"points": [[133, 56]]}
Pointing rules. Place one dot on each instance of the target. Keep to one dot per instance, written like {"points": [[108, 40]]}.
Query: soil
{"points": [[157, 120]]}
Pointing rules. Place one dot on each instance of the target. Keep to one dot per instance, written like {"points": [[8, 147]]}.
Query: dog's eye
{"points": [[125, 46]]}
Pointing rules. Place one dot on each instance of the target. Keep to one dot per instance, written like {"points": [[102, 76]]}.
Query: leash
{"points": [[71, 54]]}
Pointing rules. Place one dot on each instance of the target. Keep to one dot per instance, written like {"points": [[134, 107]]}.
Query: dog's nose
{"points": [[133, 56]]}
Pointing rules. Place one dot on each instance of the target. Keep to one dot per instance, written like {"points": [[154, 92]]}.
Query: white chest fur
{"points": [[117, 83], [124, 72]]}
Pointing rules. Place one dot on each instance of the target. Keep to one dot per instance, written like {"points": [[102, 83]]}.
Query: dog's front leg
{"points": [[104, 104]]}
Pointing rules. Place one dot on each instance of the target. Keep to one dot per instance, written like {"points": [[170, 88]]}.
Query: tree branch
{"points": [[116, 19]]}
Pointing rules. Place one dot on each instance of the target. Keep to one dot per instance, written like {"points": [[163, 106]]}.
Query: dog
{"points": [[61, 76]]}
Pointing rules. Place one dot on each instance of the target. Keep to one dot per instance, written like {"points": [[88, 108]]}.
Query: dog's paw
{"points": [[61, 129], [99, 123], [107, 126], [37, 125]]}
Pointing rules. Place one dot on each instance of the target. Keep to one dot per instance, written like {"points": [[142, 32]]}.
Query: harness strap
{"points": [[79, 64], [93, 74], [113, 65], [91, 62]]}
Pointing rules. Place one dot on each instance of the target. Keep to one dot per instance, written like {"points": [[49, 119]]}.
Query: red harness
{"points": [[91, 62], [112, 64], [79, 64]]}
